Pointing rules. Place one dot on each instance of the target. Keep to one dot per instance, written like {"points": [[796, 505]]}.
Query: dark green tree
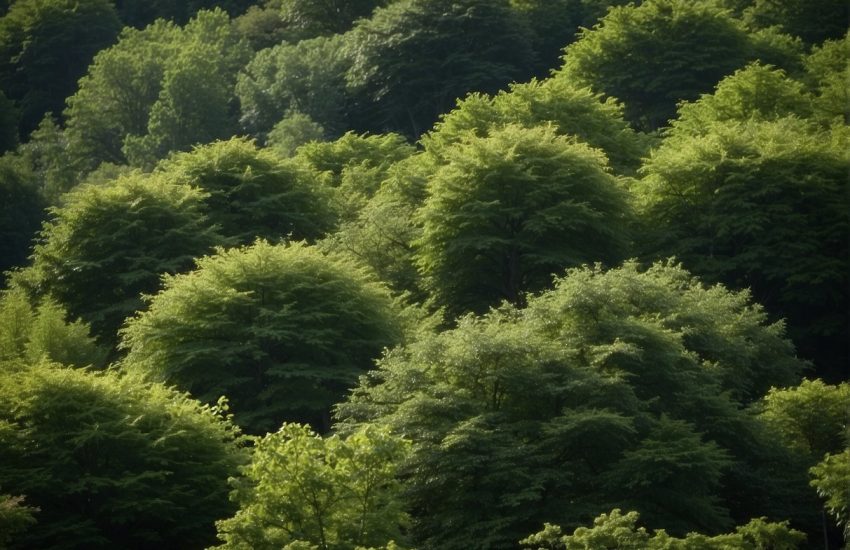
{"points": [[334, 493], [112, 462], [307, 77], [616, 387], [654, 55], [311, 18], [21, 213], [141, 13], [108, 244], [252, 193], [471, 45], [761, 205], [9, 119], [14, 518], [282, 330], [45, 47], [507, 211], [812, 20]]}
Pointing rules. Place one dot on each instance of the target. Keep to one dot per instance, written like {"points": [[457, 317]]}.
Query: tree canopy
{"points": [[661, 52], [507, 211], [111, 462], [281, 330], [762, 205], [333, 493], [108, 244], [616, 387]]}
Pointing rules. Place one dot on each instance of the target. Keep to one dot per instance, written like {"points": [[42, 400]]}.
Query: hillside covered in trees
{"points": [[424, 274]]}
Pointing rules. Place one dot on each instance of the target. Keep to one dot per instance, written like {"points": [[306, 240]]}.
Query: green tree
{"points": [[14, 518], [756, 92], [9, 119], [311, 18], [355, 165], [108, 244], [654, 55], [828, 71], [141, 13], [832, 481], [471, 45], [32, 333], [293, 131], [334, 493], [111, 462], [570, 110], [307, 77], [282, 330], [616, 387], [45, 47], [250, 192], [812, 20], [157, 89], [619, 531], [21, 213], [507, 211], [762, 205]]}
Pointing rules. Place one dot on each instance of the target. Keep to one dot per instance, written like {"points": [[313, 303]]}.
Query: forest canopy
{"points": [[424, 274]]}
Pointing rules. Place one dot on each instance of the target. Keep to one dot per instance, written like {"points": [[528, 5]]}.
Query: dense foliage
{"points": [[617, 387], [281, 330], [111, 462], [471, 274]]}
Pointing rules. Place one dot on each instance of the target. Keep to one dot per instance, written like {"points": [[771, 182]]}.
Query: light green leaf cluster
{"points": [[828, 71], [302, 491], [281, 330], [31, 334], [832, 481], [112, 462], [619, 531]]}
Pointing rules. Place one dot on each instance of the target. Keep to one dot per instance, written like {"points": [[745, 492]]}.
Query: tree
{"points": [[45, 47], [615, 387], [108, 244], [813, 21], [333, 493], [311, 18], [111, 462], [654, 55], [507, 211], [157, 89], [282, 330], [293, 131], [617, 530], [756, 92], [761, 205], [141, 13], [472, 45], [9, 119], [307, 77], [251, 193], [355, 165], [21, 213], [571, 111], [832, 479], [14, 517], [33, 332], [827, 71]]}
